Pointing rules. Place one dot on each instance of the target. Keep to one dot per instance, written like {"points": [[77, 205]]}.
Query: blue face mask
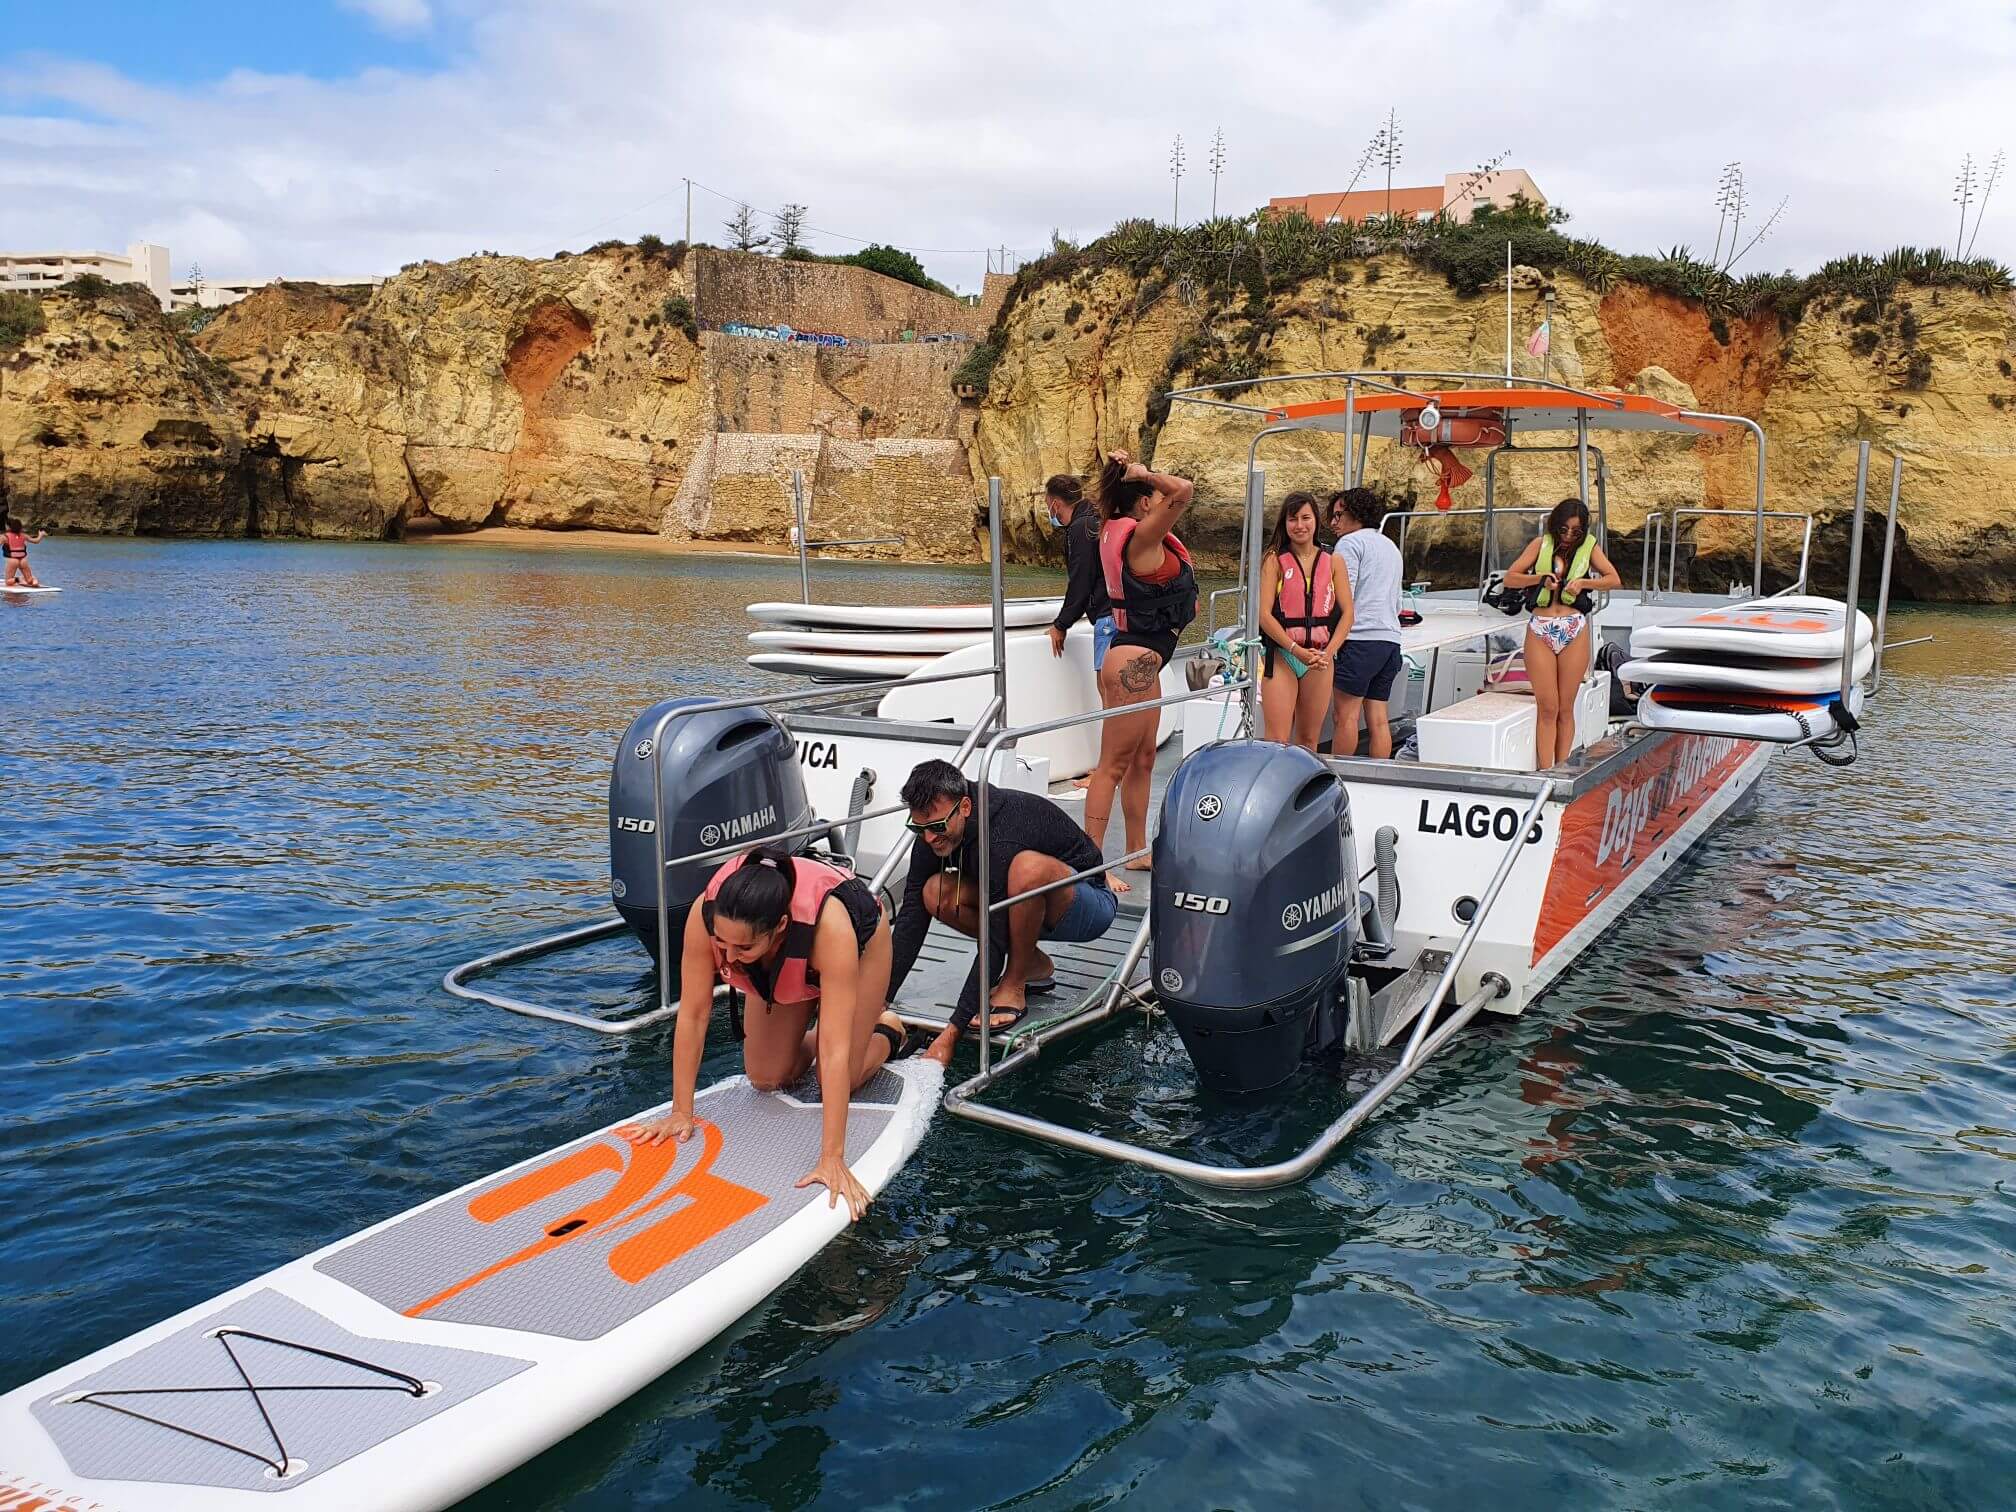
{"points": [[1055, 523]]}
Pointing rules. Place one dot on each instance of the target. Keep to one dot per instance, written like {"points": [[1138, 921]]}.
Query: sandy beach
{"points": [[595, 540]]}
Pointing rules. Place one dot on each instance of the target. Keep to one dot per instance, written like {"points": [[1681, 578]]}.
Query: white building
{"points": [[215, 293], [144, 263], [31, 272]]}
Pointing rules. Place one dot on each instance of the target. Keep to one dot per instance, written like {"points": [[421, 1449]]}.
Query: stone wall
{"points": [[825, 297], [738, 488], [857, 392]]}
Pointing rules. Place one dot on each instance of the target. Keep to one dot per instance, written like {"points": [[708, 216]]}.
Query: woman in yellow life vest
{"points": [[1565, 565], [1303, 600]]}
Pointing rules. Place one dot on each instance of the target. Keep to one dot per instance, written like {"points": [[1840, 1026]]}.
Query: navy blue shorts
{"points": [[1367, 669], [1089, 916]]}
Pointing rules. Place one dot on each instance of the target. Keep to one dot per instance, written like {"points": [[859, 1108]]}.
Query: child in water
{"points": [[16, 543]]}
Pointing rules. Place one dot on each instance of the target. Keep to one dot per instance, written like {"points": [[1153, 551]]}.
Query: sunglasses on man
{"points": [[929, 826]]}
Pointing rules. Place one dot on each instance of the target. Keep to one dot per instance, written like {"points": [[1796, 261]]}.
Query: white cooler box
{"points": [[1495, 730]]}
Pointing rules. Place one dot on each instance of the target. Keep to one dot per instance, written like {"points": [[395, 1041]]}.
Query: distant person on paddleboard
{"points": [[1030, 841], [1563, 566], [16, 543], [806, 945], [1154, 595]]}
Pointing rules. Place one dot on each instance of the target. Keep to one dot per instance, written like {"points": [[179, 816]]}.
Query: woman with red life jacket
{"points": [[1303, 599], [807, 947], [1563, 565], [1154, 595], [17, 542]]}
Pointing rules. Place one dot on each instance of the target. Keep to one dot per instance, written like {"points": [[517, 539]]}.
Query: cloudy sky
{"points": [[334, 137]]}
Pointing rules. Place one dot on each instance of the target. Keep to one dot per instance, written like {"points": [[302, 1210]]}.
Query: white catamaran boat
{"points": [[1456, 880], [1358, 908]]}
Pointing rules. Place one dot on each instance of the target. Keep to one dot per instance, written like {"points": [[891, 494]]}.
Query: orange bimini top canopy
{"points": [[1518, 409]]}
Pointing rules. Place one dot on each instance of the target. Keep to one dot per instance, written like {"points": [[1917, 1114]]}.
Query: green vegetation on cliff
{"points": [[1256, 257]]}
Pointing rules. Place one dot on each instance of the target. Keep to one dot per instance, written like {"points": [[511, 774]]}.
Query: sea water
{"points": [[1725, 1220]]}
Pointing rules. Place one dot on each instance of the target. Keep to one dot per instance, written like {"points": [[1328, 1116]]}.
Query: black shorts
{"points": [[1367, 669], [1161, 642], [863, 912]]}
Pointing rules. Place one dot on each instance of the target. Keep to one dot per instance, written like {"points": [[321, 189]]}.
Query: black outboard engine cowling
{"points": [[728, 776], [1254, 909]]}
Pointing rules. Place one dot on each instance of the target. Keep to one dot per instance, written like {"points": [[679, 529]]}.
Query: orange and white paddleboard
{"points": [[1793, 626], [408, 1365]]}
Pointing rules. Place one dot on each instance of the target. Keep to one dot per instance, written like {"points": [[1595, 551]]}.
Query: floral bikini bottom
{"points": [[1558, 630]]}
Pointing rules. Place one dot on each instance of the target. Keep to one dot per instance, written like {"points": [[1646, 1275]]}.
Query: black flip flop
{"points": [[909, 1044], [994, 1028]]}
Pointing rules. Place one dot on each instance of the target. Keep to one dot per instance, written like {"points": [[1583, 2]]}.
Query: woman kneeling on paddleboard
{"points": [[807, 947]]}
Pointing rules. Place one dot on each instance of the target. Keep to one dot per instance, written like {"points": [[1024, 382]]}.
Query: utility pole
{"points": [[689, 212], [1176, 175], [1217, 166]]}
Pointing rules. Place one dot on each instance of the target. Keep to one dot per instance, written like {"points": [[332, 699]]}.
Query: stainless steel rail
{"points": [[799, 537], [1670, 539], [1883, 590], [1757, 435], [457, 980], [1425, 1041], [984, 866]]}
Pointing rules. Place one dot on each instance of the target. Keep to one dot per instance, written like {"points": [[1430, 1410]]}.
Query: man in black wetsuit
{"points": [[1030, 842], [1084, 580]]}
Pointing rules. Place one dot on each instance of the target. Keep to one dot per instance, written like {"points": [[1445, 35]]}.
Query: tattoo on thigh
{"points": [[1140, 674]]}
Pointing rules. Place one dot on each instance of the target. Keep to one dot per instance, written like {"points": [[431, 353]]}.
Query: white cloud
{"points": [[394, 15], [556, 126]]}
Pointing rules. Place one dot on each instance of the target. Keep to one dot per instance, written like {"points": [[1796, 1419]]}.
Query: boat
{"points": [[1364, 911], [1431, 887]]}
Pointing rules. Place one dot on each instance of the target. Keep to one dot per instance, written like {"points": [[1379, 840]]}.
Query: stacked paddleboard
{"points": [[1769, 669], [863, 642]]}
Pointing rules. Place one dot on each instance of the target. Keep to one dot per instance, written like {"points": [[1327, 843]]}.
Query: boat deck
{"points": [[1084, 972]]}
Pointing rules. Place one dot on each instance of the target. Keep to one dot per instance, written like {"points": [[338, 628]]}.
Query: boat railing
{"points": [[1663, 534], [1426, 1040], [1844, 734], [458, 980], [801, 537]]}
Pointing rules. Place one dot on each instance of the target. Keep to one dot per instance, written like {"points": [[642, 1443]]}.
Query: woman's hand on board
{"points": [[832, 1174], [675, 1126]]}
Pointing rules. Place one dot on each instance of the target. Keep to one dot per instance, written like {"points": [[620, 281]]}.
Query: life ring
{"points": [[1437, 443]]}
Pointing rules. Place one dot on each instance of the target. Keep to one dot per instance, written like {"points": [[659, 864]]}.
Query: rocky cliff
{"points": [[567, 392], [1925, 374], [583, 391]]}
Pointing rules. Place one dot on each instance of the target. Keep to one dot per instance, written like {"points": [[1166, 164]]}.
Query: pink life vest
{"points": [[1147, 606], [1308, 624], [793, 979]]}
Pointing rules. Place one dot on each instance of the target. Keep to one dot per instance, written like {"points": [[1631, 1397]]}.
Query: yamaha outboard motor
{"points": [[1255, 908], [728, 776]]}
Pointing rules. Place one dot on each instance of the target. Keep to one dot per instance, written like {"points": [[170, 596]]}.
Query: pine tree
{"points": [[789, 227], [742, 232]]}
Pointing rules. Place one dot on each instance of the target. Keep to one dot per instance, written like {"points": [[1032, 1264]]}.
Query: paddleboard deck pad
{"points": [[1793, 626], [411, 1364]]}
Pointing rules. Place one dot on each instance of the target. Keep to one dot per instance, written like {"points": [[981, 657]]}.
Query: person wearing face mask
{"points": [[1084, 581], [807, 947]]}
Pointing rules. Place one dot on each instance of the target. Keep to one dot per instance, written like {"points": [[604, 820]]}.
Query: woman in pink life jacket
{"points": [[1154, 595], [1303, 600], [807, 947]]}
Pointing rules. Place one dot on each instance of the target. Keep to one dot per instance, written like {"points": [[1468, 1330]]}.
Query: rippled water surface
{"points": [[1725, 1220]]}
